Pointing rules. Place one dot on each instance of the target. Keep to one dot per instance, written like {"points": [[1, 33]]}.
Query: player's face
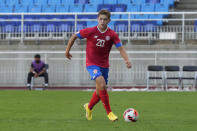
{"points": [[103, 20]]}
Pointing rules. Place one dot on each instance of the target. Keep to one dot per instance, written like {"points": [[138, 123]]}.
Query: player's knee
{"points": [[101, 83]]}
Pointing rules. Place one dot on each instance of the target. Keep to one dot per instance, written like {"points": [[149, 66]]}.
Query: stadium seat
{"points": [[26, 2], [136, 26], [76, 8], [54, 2], [124, 1], [81, 1], [67, 2], [159, 22], [153, 1], [111, 25], [147, 7], [48, 8], [81, 25], [167, 2], [121, 26], [161, 8], [11, 2], [90, 8], [110, 2], [96, 2], [149, 26], [6, 8], [36, 27], [40, 2], [86, 16], [119, 8], [138, 1], [21, 8], [91, 23], [133, 8], [108, 7], [62, 8], [35, 8], [141, 16], [66, 26]]}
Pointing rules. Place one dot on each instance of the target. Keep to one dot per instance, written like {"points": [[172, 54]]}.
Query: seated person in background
{"points": [[38, 69]]}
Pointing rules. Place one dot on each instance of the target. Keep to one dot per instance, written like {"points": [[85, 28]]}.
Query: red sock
{"points": [[105, 100], [94, 100]]}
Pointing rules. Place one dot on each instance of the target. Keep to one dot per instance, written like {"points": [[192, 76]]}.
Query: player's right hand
{"points": [[68, 55]]}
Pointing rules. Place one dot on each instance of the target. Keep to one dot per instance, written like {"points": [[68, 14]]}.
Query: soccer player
{"points": [[100, 40], [38, 69]]}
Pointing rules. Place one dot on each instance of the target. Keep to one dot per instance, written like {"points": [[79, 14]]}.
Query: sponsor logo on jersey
{"points": [[95, 36]]}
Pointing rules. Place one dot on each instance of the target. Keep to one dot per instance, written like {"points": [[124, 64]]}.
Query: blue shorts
{"points": [[96, 71]]}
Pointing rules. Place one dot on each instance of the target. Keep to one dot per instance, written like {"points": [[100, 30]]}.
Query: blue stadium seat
{"points": [[54, 2], [21, 8], [36, 27], [66, 27], [161, 8], [91, 23], [62, 8], [133, 8], [132, 16], [108, 7], [26, 2], [119, 8], [111, 25], [159, 22], [35, 8], [167, 2], [67, 2], [8, 28], [96, 2], [115, 16], [76, 8], [48, 8], [6, 8], [86, 16], [149, 26], [141, 16], [81, 1], [110, 2], [124, 1], [81, 25], [11, 2], [195, 26], [40, 2], [153, 1], [121, 26], [138, 1], [90, 8], [136, 26], [147, 7]]}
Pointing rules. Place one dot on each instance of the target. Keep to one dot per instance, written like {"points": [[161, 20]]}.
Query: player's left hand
{"points": [[128, 63]]}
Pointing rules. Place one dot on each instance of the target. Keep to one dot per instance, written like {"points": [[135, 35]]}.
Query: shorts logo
{"points": [[107, 37], [95, 71]]}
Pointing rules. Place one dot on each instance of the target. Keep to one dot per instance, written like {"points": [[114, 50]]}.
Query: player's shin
{"points": [[94, 100]]}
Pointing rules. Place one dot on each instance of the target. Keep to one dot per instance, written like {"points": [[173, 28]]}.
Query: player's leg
{"points": [[46, 79], [101, 82], [30, 75]]}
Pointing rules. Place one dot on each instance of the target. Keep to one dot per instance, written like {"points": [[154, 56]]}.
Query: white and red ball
{"points": [[130, 115]]}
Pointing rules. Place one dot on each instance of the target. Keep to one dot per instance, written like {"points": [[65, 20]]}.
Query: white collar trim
{"points": [[101, 31]]}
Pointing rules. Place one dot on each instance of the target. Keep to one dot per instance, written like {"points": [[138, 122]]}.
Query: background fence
{"points": [[132, 25], [14, 67]]}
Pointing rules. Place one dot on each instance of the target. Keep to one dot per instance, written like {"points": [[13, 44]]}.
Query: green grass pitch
{"points": [[63, 111]]}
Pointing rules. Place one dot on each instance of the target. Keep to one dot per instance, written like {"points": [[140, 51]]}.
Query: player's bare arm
{"points": [[69, 45], [42, 72], [124, 55]]}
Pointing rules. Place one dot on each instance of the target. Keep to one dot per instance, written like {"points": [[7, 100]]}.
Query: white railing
{"points": [[14, 67], [180, 32]]}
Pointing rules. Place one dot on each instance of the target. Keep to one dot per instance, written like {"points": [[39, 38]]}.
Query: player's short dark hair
{"points": [[104, 12], [37, 56]]}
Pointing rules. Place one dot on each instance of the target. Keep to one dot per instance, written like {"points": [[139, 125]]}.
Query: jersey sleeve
{"points": [[117, 40], [84, 33]]}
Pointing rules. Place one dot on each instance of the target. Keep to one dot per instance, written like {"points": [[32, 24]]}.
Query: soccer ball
{"points": [[130, 115]]}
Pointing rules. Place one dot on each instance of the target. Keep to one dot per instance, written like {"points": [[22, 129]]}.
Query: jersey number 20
{"points": [[100, 43]]}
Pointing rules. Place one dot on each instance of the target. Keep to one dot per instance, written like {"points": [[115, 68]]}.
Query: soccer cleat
{"points": [[112, 116], [88, 112]]}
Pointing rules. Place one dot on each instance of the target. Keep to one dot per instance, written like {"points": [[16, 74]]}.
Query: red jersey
{"points": [[99, 45]]}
